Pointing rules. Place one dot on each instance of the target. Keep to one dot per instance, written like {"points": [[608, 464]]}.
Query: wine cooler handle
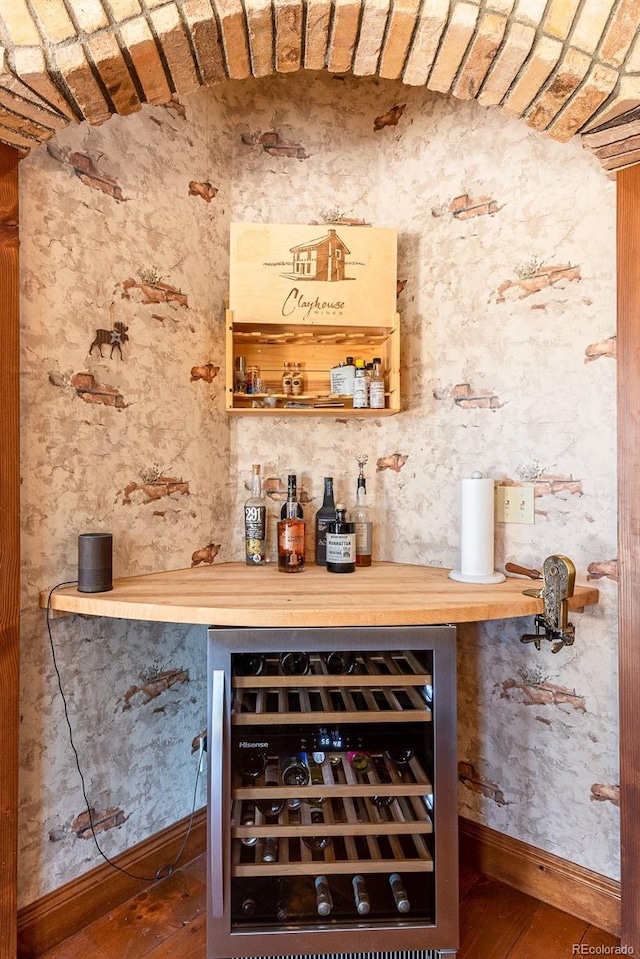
{"points": [[216, 760]]}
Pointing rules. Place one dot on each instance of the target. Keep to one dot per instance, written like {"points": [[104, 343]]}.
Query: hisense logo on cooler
{"points": [[245, 745]]}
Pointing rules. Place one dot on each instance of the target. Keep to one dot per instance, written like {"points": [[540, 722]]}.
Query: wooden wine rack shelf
{"points": [[387, 687]]}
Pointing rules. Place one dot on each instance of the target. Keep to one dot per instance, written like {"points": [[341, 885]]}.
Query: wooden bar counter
{"points": [[234, 594]]}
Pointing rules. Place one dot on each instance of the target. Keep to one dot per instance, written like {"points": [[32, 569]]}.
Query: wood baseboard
{"points": [[559, 883], [63, 912]]}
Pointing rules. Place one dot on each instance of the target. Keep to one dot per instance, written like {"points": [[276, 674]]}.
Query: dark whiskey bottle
{"points": [[341, 543], [325, 515]]}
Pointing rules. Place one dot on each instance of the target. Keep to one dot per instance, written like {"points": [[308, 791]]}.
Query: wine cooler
{"points": [[332, 793]]}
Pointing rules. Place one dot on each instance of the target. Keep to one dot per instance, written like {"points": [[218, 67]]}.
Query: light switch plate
{"points": [[514, 504]]}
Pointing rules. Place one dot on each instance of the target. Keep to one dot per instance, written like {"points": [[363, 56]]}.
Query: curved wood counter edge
{"points": [[235, 594]]}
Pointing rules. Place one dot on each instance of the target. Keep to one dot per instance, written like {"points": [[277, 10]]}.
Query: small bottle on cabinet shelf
{"points": [[297, 381], [376, 386], [255, 522], [360, 394], [341, 543], [286, 379], [325, 515], [240, 375]]}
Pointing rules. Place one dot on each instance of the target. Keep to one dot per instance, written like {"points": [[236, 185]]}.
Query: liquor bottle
{"points": [[360, 895], [376, 387], [325, 515], [292, 498], [399, 894], [360, 395], [341, 543], [317, 843], [294, 663], [294, 770], [291, 540], [324, 902], [286, 379], [270, 850], [338, 662], [361, 515], [255, 522], [248, 664], [271, 806], [297, 381]]}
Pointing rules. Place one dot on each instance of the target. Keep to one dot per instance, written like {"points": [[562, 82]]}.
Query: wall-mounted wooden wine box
{"points": [[311, 296]]}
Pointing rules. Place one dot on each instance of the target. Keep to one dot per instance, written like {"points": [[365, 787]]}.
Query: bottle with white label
{"points": [[361, 514], [341, 543], [255, 522], [376, 385], [360, 390]]}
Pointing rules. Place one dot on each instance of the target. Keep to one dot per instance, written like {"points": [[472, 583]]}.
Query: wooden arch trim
{"points": [[565, 67]]}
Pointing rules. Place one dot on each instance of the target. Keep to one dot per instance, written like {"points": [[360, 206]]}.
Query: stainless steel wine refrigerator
{"points": [[332, 793]]}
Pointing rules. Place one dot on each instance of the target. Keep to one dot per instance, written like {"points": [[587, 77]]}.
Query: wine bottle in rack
{"points": [[316, 778], [359, 761], [252, 764], [249, 906], [360, 895], [271, 806], [248, 818], [294, 770], [248, 664], [294, 663], [316, 843], [338, 662], [382, 773], [283, 909], [399, 756], [324, 902], [399, 893], [270, 850]]}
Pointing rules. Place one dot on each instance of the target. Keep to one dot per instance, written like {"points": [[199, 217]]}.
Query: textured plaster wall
{"points": [[507, 277], [137, 443], [506, 255]]}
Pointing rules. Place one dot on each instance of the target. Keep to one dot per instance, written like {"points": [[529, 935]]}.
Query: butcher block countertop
{"points": [[234, 594]]}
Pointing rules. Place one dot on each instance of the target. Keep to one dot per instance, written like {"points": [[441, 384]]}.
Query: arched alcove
{"points": [[565, 68]]}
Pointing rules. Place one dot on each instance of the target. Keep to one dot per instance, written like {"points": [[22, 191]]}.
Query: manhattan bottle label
{"points": [[341, 547]]}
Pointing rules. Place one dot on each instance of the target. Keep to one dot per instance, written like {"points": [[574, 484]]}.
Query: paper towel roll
{"points": [[477, 532]]}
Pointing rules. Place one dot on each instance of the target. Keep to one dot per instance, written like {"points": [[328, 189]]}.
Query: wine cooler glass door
{"points": [[333, 791]]}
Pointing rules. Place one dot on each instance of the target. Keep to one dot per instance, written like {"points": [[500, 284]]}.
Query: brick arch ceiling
{"points": [[567, 67]]}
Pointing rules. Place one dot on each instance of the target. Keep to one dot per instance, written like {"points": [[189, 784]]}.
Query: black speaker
{"points": [[95, 562]]}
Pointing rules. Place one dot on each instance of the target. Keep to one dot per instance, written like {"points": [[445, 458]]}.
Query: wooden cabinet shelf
{"points": [[317, 346]]}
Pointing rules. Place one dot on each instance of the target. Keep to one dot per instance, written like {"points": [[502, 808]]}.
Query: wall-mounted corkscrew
{"points": [[558, 576]]}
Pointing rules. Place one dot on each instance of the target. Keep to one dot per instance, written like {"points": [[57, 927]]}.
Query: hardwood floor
{"points": [[167, 921]]}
